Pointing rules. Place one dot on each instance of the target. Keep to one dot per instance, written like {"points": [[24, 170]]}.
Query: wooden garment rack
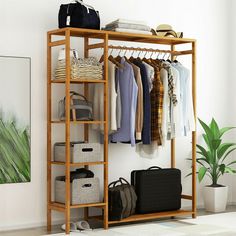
{"points": [[105, 37]]}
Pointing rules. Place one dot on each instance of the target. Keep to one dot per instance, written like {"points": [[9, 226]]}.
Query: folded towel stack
{"points": [[129, 26], [81, 68]]}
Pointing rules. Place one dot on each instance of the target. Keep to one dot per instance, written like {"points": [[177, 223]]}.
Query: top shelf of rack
{"points": [[117, 36]]}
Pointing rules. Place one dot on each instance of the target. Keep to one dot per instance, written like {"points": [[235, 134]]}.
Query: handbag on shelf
{"points": [[121, 199], [157, 189], [78, 14], [80, 109]]}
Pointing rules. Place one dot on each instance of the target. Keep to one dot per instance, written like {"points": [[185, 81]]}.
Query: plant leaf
{"points": [[229, 170], [225, 129], [207, 141], [207, 129], [203, 151], [216, 143], [228, 153], [223, 148], [231, 163], [222, 168], [215, 129], [201, 173]]}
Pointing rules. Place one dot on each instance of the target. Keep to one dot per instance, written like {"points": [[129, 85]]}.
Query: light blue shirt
{"points": [[128, 95], [187, 117]]}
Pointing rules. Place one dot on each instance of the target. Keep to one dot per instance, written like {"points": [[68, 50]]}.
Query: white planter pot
{"points": [[215, 198]]}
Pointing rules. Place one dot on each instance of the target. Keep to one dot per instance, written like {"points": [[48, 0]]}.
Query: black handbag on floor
{"points": [[157, 189], [79, 15], [121, 199]]}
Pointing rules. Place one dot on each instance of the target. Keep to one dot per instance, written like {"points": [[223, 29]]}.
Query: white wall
{"points": [[23, 27], [232, 82]]}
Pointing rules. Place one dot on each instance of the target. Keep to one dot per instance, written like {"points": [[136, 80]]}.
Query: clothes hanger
{"points": [[118, 57], [138, 58], [127, 60], [175, 61], [169, 59], [131, 59], [111, 59]]}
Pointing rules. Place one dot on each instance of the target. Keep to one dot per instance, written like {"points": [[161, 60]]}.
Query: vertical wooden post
{"points": [[194, 137], [86, 126], [67, 132], [173, 164], [86, 88], [106, 131], [49, 130]]}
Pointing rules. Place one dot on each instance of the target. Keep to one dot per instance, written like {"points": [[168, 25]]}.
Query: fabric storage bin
{"points": [[85, 190], [79, 152]]}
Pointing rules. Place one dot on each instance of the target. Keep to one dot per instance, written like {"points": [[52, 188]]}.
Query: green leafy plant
{"points": [[14, 153], [213, 158]]}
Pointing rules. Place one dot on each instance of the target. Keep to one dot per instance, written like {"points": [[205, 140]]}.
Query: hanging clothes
{"points": [[187, 119], [128, 94], [157, 95], [146, 133], [98, 102], [150, 101], [139, 110]]}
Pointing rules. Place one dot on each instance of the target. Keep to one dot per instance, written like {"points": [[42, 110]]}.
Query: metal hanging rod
{"points": [[141, 49], [173, 53]]}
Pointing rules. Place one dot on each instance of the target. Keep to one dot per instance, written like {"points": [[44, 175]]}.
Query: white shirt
{"points": [[98, 102]]}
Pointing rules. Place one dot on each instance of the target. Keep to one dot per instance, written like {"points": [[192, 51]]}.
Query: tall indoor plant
{"points": [[213, 162]]}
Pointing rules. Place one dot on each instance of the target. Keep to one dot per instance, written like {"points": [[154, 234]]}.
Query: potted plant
{"points": [[212, 160]]}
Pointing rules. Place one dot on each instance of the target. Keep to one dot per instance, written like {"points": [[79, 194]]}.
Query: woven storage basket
{"points": [[79, 152], [86, 190]]}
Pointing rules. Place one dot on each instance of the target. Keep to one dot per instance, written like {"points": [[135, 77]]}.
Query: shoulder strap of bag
{"points": [[73, 93], [72, 103], [82, 3], [112, 184], [73, 110], [122, 180]]}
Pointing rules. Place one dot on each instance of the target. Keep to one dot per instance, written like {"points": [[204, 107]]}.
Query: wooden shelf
{"points": [[79, 122], [79, 164], [106, 38], [61, 207], [140, 217], [81, 81], [118, 36]]}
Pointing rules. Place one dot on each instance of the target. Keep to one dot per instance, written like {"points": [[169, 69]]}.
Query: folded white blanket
{"points": [[132, 31], [127, 26], [126, 21]]}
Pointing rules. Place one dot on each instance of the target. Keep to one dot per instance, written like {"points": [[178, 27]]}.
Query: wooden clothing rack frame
{"points": [[105, 37]]}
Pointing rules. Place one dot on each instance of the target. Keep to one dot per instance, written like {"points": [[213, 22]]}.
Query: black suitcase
{"points": [[157, 189]]}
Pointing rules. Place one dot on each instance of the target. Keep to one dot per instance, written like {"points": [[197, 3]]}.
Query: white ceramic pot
{"points": [[215, 198]]}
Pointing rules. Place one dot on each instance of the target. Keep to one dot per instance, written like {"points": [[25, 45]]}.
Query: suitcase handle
{"points": [[154, 167]]}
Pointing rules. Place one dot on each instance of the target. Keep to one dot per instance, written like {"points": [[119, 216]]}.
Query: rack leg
{"points": [[194, 136], [105, 213], [49, 219]]}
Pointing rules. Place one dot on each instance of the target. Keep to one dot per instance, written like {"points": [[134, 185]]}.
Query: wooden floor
{"points": [[56, 229]]}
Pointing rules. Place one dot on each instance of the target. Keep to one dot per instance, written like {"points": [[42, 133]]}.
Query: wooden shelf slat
{"points": [[99, 204], [121, 36], [140, 217], [61, 207], [79, 122], [79, 164], [79, 81]]}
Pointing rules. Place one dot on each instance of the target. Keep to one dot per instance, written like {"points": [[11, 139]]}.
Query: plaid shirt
{"points": [[157, 94]]}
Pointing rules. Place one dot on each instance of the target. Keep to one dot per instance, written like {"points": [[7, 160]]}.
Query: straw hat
{"points": [[165, 30]]}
